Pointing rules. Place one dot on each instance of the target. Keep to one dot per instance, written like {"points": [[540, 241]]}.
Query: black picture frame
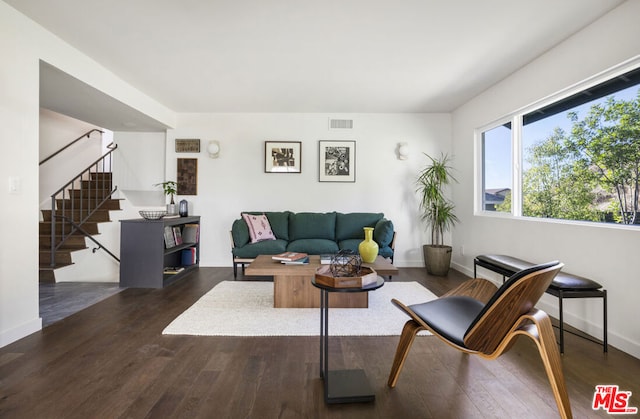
{"points": [[337, 161], [283, 157]]}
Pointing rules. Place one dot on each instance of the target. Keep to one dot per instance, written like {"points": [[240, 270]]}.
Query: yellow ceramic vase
{"points": [[368, 248]]}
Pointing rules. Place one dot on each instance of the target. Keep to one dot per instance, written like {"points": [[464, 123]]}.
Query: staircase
{"points": [[85, 208]]}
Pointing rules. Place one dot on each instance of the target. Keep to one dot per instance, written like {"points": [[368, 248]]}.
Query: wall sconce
{"points": [[213, 149], [403, 151]]}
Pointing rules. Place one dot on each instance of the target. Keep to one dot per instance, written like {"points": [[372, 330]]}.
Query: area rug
{"points": [[245, 308]]}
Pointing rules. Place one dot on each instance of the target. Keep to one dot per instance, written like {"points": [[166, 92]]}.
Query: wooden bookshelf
{"points": [[144, 255]]}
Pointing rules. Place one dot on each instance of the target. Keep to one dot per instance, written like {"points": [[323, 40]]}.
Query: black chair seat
{"points": [[450, 316]]}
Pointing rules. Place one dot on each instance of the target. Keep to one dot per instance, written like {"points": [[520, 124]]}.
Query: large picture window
{"points": [[580, 157]]}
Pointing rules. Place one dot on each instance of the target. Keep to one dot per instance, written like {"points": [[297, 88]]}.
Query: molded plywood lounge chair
{"points": [[479, 318]]}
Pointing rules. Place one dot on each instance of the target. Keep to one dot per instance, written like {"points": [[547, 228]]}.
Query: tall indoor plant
{"points": [[169, 188], [437, 211]]}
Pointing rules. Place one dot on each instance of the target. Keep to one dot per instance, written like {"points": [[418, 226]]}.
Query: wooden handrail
{"points": [[86, 134]]}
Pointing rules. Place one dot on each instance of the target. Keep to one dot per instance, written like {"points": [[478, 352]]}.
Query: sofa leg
{"points": [[235, 270]]}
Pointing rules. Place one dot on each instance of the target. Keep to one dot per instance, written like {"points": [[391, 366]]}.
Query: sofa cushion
{"points": [[267, 247], [350, 244], [279, 221], [313, 246], [240, 233], [259, 227], [385, 252], [312, 225], [349, 226], [383, 232]]}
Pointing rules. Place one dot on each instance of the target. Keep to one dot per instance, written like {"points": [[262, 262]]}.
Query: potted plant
{"points": [[170, 188], [437, 211]]}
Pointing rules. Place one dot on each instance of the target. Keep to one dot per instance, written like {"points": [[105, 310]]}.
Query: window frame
{"points": [[516, 119]]}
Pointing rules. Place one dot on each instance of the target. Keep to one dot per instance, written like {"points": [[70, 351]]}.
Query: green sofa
{"points": [[311, 232]]}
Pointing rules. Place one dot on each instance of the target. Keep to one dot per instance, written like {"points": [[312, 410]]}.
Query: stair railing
{"points": [[86, 134], [74, 208]]}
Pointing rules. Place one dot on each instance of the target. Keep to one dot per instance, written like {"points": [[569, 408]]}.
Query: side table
{"points": [[341, 386]]}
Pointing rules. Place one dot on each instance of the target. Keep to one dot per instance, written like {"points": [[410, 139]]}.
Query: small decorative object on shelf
{"points": [[365, 277], [368, 248], [346, 271], [184, 208], [345, 263], [152, 215]]}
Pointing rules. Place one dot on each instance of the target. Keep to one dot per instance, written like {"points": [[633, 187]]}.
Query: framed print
{"points": [[187, 177], [282, 157], [187, 145], [337, 161]]}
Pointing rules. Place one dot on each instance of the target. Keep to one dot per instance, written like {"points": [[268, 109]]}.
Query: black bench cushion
{"points": [[505, 262], [570, 282], [563, 281]]}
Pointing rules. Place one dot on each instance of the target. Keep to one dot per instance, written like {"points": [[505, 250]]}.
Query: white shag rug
{"points": [[243, 308]]}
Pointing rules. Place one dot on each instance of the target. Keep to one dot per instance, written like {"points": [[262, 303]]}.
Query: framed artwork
{"points": [[337, 161], [187, 177], [283, 157], [187, 145]]}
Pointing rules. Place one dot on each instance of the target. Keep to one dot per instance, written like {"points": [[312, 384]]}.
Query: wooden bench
{"points": [[564, 285]]}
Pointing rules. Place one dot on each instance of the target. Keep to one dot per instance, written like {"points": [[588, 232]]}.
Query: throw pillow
{"points": [[259, 227]]}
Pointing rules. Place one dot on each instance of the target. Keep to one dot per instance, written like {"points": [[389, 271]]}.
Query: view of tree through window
{"points": [[580, 156]]}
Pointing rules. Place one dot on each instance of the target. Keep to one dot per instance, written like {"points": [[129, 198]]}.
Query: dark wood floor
{"points": [[111, 360]]}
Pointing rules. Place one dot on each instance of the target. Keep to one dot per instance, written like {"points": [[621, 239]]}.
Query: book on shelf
{"points": [[325, 259], [177, 235], [189, 256], [169, 240], [191, 233], [172, 270], [289, 256], [303, 261]]}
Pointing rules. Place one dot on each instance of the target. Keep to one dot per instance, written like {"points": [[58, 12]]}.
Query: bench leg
{"points": [[604, 317], [561, 318]]}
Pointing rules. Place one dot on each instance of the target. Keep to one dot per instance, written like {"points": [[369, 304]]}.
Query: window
{"points": [[580, 157], [496, 174]]}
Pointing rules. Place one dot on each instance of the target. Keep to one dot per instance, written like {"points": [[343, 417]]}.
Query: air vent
{"points": [[340, 123]]}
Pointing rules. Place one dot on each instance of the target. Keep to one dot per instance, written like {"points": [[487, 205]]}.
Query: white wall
{"points": [[236, 181], [22, 45], [608, 255]]}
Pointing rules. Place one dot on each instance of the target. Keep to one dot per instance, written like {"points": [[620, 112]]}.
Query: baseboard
{"points": [[17, 333]]}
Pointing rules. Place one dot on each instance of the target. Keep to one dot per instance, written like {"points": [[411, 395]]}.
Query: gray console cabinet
{"points": [[144, 256]]}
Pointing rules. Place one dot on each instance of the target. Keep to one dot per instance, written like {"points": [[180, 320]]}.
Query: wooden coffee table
{"points": [[292, 286]]}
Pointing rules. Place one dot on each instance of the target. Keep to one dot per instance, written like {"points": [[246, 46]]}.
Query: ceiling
{"points": [[310, 56]]}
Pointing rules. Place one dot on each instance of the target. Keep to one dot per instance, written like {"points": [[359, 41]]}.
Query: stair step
{"points": [[101, 175], [63, 257], [109, 204], [88, 194], [46, 276], [100, 215], [89, 227], [72, 242], [99, 184]]}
